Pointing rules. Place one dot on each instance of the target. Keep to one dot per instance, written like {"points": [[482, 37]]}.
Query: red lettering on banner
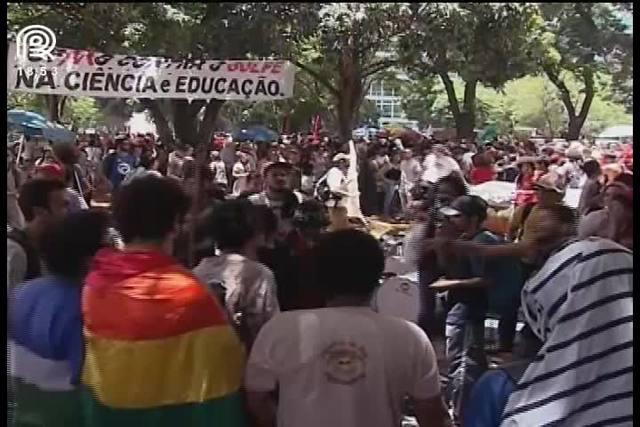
{"points": [[77, 56], [256, 67]]}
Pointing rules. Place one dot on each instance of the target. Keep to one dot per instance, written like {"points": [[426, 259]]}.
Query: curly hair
{"points": [[148, 208]]}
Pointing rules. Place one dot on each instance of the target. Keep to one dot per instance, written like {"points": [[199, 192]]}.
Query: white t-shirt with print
{"points": [[342, 367]]}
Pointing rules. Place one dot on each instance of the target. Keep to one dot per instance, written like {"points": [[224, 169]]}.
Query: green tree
{"points": [[233, 30], [419, 98], [590, 38], [83, 112], [26, 101], [482, 43], [368, 113], [349, 44], [534, 102], [309, 98]]}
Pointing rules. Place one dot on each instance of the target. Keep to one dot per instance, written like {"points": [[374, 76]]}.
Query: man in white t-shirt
{"points": [[344, 365], [219, 170], [338, 184]]}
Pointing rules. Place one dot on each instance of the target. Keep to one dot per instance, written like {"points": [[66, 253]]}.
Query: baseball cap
{"points": [[468, 205], [51, 169], [550, 181]]}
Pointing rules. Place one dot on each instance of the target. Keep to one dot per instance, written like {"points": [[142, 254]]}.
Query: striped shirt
{"points": [[580, 305]]}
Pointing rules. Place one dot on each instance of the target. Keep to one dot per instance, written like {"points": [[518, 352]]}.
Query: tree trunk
{"points": [[465, 124], [55, 107], [346, 116], [466, 120], [576, 120], [208, 123], [162, 124], [201, 154], [185, 122], [349, 98]]}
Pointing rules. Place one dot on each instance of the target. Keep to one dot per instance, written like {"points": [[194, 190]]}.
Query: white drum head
{"points": [[398, 297]]}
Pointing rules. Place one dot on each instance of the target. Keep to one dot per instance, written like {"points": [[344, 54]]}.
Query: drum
{"points": [[398, 296]]}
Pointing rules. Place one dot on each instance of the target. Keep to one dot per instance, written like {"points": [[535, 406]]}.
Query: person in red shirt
{"points": [[525, 197], [525, 194], [482, 170]]}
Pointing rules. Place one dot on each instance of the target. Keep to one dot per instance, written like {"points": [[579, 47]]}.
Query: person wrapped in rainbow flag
{"points": [[159, 349]]}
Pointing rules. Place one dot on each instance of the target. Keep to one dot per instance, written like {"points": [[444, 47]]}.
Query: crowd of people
{"points": [[156, 285]]}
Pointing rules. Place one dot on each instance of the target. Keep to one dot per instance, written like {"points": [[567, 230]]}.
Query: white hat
{"points": [[340, 156]]}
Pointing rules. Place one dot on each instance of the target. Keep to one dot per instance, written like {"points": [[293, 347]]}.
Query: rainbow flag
{"points": [[159, 351]]}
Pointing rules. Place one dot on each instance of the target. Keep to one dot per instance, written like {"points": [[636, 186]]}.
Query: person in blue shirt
{"points": [[118, 164], [490, 394], [45, 325], [467, 280]]}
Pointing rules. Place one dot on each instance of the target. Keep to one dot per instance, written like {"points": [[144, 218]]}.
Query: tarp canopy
{"points": [[621, 131], [499, 193]]}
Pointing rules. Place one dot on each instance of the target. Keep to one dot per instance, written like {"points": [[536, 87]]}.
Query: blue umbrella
{"points": [[256, 134], [58, 134], [34, 124], [30, 123]]}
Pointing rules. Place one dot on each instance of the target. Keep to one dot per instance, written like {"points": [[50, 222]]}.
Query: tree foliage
{"points": [[419, 98], [529, 102], [455, 54], [309, 98], [233, 30], [482, 43], [348, 45], [590, 38]]}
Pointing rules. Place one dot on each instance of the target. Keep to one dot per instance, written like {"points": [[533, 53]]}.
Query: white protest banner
{"points": [[85, 73]]}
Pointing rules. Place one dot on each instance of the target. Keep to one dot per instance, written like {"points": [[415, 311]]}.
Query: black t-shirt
{"points": [[472, 266]]}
